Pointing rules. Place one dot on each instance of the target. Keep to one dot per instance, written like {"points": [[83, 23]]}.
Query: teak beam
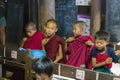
{"points": [[95, 16]]}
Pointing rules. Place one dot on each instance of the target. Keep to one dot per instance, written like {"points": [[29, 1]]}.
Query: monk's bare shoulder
{"points": [[23, 41]]}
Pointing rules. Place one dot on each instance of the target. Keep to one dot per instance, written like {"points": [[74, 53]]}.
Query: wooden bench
{"points": [[59, 69], [76, 73], [70, 72]]}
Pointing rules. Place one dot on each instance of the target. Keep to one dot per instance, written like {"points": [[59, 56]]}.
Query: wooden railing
{"points": [[59, 69], [82, 74], [1, 78], [71, 72]]}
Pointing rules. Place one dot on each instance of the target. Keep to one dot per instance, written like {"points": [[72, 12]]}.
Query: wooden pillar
{"points": [[95, 16], [28, 67], [33, 11], [46, 10]]}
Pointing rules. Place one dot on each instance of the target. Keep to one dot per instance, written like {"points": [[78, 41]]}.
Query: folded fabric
{"points": [[37, 53]]}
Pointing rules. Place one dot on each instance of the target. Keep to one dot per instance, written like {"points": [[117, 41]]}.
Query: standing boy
{"points": [[79, 47], [53, 44]]}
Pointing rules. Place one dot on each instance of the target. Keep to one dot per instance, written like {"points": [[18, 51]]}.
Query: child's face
{"points": [[50, 29], [30, 31], [42, 77], [100, 44], [77, 30]]}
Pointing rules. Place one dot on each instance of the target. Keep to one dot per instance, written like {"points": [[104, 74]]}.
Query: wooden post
{"points": [[29, 72], [46, 10], [28, 67], [95, 16]]}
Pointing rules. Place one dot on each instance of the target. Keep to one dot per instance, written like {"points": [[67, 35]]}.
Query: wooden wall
{"points": [[46, 10], [113, 19]]}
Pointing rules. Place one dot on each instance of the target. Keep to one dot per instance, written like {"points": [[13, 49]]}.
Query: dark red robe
{"points": [[79, 53], [52, 47], [34, 42]]}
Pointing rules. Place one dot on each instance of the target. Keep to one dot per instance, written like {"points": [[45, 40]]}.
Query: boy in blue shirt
{"points": [[103, 56]]}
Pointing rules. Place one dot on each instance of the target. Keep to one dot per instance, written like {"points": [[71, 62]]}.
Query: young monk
{"points": [[53, 44], [33, 39], [103, 56], [79, 47]]}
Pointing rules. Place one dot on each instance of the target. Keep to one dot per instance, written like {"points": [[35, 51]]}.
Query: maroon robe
{"points": [[34, 42], [52, 47], [79, 53]]}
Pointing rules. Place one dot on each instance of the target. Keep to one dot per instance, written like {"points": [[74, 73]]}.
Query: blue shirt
{"points": [[110, 52]]}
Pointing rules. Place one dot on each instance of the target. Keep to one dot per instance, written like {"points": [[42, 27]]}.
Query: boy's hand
{"points": [[108, 60], [45, 40], [70, 39], [89, 43]]}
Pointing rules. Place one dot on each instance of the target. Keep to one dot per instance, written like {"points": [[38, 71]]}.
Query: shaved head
{"points": [[31, 25], [31, 29]]}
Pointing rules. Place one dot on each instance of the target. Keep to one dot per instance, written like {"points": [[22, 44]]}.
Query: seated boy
{"points": [[102, 56], [79, 47], [33, 39], [43, 68], [53, 44]]}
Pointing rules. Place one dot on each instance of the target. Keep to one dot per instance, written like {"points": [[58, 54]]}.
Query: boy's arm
{"points": [[95, 65], [44, 42], [115, 58], [59, 56], [70, 39], [66, 46], [23, 41], [89, 43]]}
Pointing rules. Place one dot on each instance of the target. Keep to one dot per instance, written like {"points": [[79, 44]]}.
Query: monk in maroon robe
{"points": [[54, 44], [34, 39], [52, 47], [34, 42], [80, 46], [79, 53]]}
